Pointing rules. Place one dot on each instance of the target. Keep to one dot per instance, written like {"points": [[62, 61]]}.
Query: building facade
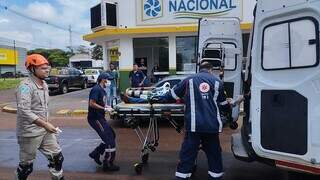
{"points": [[12, 59], [161, 32]]}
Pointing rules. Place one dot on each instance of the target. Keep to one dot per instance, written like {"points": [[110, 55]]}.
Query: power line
{"points": [[11, 42], [38, 20]]}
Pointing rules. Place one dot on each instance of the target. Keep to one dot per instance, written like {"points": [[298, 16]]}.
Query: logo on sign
{"points": [[152, 9], [204, 87]]}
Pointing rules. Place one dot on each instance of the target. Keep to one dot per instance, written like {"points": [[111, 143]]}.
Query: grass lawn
{"points": [[9, 83]]}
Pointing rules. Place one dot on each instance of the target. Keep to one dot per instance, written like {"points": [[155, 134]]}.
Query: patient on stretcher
{"points": [[143, 95]]}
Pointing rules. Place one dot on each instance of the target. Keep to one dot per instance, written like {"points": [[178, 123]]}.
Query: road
{"points": [[78, 139]]}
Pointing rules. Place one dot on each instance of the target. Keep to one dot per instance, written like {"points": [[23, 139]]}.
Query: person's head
{"points": [[142, 61], [111, 66], [206, 66], [135, 67], [38, 66], [103, 79]]}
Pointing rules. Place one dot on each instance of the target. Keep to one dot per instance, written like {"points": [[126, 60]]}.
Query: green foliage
{"points": [[9, 83], [97, 52], [56, 57]]}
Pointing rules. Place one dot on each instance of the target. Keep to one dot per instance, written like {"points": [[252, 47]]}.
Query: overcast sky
{"points": [[60, 12]]}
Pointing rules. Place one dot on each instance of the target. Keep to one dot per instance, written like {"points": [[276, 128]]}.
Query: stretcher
{"points": [[133, 114]]}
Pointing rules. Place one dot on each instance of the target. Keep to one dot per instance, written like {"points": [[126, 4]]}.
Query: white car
{"points": [[92, 75]]}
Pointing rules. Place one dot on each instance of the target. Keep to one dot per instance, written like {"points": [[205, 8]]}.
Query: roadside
{"points": [[8, 83]]}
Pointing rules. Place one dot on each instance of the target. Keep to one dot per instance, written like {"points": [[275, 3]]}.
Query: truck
{"points": [[282, 86], [61, 79]]}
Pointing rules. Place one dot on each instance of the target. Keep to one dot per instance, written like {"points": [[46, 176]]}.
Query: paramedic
{"points": [[136, 77], [96, 119], [203, 96], [34, 131]]}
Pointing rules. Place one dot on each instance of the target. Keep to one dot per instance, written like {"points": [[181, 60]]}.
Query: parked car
{"points": [[61, 79], [173, 80], [92, 75], [8, 75]]}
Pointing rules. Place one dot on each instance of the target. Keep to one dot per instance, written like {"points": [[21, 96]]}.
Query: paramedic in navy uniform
{"points": [[96, 119], [203, 95]]}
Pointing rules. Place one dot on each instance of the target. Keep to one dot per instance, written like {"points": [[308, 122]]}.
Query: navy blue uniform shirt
{"points": [[203, 94], [99, 95], [136, 78]]}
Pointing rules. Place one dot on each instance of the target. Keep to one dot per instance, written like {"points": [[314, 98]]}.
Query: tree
{"points": [[56, 57], [97, 52]]}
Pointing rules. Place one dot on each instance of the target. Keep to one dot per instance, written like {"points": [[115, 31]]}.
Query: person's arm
{"points": [[24, 96], [144, 78], [176, 93], [94, 105], [222, 100]]}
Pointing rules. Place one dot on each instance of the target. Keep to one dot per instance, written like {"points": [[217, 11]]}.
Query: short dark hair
{"points": [[135, 64], [206, 65]]}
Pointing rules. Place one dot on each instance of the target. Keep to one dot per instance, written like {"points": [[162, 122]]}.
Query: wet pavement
{"points": [[78, 142]]}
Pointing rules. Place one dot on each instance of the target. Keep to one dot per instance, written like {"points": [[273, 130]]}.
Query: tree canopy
{"points": [[56, 57]]}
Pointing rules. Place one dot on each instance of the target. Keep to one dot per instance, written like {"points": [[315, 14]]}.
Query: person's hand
{"points": [[230, 101], [140, 84], [50, 128], [108, 109]]}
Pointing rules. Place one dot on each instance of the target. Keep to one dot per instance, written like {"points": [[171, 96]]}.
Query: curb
{"points": [[64, 112], [9, 109], [79, 112]]}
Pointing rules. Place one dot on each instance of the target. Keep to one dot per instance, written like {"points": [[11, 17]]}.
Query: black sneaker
{"points": [[96, 158], [110, 168]]}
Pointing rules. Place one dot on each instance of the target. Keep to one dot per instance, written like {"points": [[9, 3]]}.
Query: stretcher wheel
{"points": [[145, 158], [138, 168]]}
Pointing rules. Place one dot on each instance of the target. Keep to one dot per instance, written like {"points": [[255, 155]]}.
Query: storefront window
{"points": [[152, 52], [186, 54]]}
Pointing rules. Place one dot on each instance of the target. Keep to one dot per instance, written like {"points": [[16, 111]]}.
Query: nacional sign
{"points": [[160, 12]]}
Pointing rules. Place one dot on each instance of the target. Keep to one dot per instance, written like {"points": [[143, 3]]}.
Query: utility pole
{"points": [[15, 58], [70, 38]]}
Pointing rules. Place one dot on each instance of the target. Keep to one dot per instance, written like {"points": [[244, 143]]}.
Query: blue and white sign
{"points": [[157, 12], [152, 9]]}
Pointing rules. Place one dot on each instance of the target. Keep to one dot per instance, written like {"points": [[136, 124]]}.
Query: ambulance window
{"points": [[275, 47], [303, 43], [291, 44], [230, 60]]}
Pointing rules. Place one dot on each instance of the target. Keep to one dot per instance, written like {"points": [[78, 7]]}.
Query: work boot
{"points": [[96, 157], [110, 167]]}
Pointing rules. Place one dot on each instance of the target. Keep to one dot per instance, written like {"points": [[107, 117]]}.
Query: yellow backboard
{"points": [[8, 57]]}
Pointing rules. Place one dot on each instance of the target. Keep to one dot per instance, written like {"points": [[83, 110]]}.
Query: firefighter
{"points": [[96, 119], [34, 131], [203, 95]]}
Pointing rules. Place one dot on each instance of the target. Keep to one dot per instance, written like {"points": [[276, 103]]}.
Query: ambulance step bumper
{"points": [[238, 149]]}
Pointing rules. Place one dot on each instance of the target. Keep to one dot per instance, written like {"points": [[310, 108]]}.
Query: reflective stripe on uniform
{"points": [[110, 150], [192, 106], [216, 94], [174, 95], [224, 103], [183, 175], [215, 175]]}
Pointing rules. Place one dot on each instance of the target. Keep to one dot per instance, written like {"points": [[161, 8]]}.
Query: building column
{"points": [[125, 61], [105, 56], [172, 55]]}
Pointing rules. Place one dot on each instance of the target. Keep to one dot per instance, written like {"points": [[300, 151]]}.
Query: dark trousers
{"points": [[107, 135], [210, 144]]}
